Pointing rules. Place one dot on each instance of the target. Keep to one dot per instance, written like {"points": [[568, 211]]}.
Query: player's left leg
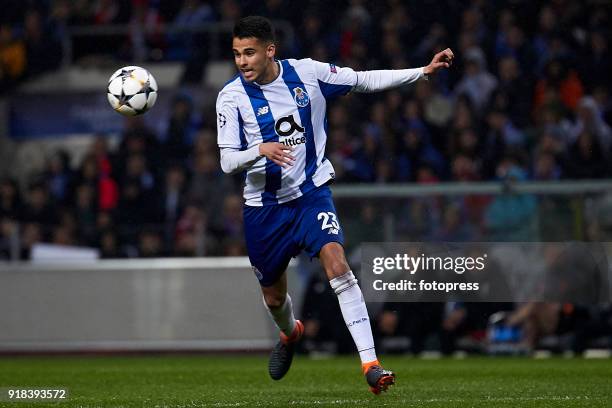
{"points": [[318, 231], [355, 314]]}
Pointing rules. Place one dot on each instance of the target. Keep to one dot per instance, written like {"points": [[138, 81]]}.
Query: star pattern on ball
{"points": [[126, 73], [132, 92]]}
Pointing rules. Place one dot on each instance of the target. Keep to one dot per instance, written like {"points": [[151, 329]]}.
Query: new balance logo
{"points": [[263, 110]]}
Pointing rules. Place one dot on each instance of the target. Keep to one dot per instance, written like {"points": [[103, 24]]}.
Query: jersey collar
{"points": [[275, 80]]}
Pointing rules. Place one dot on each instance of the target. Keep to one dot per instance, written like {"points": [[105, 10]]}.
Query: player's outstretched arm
{"points": [[381, 80]]}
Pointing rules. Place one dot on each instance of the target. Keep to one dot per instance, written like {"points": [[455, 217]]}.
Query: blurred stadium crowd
{"points": [[527, 99]]}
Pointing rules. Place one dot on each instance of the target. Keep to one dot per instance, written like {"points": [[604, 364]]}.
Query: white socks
{"points": [[283, 316], [355, 314]]}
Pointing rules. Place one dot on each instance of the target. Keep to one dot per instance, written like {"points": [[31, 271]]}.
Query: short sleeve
{"points": [[334, 80], [228, 126]]}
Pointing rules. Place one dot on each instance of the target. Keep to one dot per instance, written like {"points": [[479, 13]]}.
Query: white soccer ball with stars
{"points": [[132, 90]]}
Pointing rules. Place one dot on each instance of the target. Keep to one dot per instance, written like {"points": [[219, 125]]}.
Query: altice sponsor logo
{"points": [[293, 141]]}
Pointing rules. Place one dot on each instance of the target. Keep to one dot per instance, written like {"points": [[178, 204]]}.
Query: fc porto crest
{"points": [[300, 97]]}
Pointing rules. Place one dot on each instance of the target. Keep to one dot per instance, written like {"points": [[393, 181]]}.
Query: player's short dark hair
{"points": [[255, 26]]}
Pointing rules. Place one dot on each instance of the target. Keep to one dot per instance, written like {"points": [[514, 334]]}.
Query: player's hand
{"points": [[278, 153], [443, 59]]}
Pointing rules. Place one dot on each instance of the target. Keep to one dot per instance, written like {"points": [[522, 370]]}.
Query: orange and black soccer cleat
{"points": [[378, 378], [282, 354]]}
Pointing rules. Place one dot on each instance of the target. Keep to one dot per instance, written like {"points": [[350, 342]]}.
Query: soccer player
{"points": [[271, 124]]}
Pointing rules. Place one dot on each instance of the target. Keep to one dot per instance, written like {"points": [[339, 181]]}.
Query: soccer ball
{"points": [[132, 90]]}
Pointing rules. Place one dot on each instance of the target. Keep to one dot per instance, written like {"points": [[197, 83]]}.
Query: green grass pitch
{"points": [[242, 381]]}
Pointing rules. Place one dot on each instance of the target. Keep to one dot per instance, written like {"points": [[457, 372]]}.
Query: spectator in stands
{"points": [[108, 190], [366, 221], [472, 318], [43, 50], [110, 12], [172, 201], [146, 37], [362, 166], [467, 144], [416, 321], [589, 119], [207, 185], [228, 224], [38, 207], [31, 234], [63, 236], [513, 91], [150, 245], [560, 80], [502, 129], [437, 109], [515, 45], [546, 31], [59, 176], [186, 43], [88, 173], [8, 235], [109, 246], [586, 158], [502, 139], [511, 216], [138, 171], [454, 226], [180, 130], [12, 58], [10, 199], [132, 211], [546, 167], [575, 283], [416, 151], [477, 83], [190, 234], [8, 230], [85, 210], [137, 138], [173, 196], [597, 63]]}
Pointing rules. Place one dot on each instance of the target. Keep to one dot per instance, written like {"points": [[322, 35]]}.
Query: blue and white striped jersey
{"points": [[290, 110]]}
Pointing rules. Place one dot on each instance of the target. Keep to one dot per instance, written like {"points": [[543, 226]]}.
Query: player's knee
{"points": [[336, 268], [274, 300]]}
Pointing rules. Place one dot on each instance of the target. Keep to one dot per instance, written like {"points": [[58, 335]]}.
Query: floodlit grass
{"points": [[242, 381]]}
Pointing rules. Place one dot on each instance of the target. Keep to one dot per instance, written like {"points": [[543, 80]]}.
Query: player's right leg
{"points": [[270, 248], [279, 306]]}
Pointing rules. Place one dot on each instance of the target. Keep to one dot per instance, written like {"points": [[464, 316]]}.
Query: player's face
{"points": [[253, 57]]}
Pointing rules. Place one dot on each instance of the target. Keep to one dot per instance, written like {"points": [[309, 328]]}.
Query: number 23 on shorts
{"points": [[329, 221]]}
